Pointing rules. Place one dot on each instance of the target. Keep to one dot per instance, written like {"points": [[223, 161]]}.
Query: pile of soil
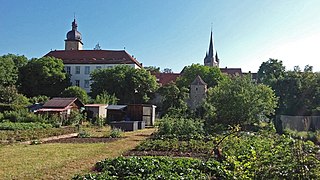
{"points": [[82, 140]]}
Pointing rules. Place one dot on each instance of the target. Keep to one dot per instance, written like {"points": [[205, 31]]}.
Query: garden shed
{"points": [[96, 110], [61, 106], [142, 112], [116, 112]]}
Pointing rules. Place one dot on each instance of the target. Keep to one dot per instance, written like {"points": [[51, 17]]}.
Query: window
{"points": [[77, 69], [87, 70], [86, 83], [77, 83], [98, 67], [68, 69]]}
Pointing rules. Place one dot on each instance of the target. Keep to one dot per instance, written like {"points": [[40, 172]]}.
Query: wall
{"points": [[300, 123]]}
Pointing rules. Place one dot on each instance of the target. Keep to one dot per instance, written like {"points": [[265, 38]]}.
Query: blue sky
{"points": [[170, 33]]}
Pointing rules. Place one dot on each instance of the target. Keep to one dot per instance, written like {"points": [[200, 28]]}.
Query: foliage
{"points": [[211, 75], [128, 84], [270, 156], [298, 91], [22, 115], [105, 98], [239, 101], [116, 133], [173, 144], [84, 134], [152, 69], [75, 91], [180, 128], [43, 76], [10, 95], [25, 135], [270, 71], [39, 99], [156, 168], [173, 99], [9, 69], [23, 126], [75, 118]]}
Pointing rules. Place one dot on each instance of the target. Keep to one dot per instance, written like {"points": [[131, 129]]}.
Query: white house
{"points": [[80, 63]]}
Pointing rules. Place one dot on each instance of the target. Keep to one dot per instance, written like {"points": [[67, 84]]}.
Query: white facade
{"points": [[80, 73]]}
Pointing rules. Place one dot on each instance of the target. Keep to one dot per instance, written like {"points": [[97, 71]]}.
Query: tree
{"points": [[9, 68], [75, 91], [10, 95], [44, 76], [105, 98], [270, 71], [211, 75], [173, 97], [239, 101], [8, 72], [152, 69], [128, 84]]}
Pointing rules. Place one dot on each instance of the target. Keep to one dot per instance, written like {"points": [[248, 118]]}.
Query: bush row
{"points": [[26, 135], [23, 126]]}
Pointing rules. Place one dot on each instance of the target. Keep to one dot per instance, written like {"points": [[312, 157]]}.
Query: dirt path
{"points": [[62, 161]]}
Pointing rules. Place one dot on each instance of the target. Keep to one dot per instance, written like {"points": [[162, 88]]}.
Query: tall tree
{"points": [[152, 69], [126, 83], [270, 71], [44, 76], [211, 75], [8, 72]]}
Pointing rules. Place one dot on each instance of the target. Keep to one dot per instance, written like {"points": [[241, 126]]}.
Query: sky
{"points": [[170, 33]]}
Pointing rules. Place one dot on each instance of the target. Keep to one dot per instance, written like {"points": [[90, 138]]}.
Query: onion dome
{"points": [[74, 34]]}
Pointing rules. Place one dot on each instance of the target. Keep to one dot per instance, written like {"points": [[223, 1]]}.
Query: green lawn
{"points": [[61, 161]]}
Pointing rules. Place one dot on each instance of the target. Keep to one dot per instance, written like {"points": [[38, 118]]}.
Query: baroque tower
{"points": [[211, 58], [73, 41]]}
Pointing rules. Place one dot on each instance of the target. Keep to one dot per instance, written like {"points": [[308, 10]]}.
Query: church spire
{"points": [[211, 46], [210, 59]]}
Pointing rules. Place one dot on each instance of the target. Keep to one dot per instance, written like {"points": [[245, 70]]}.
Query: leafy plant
{"points": [[116, 133], [83, 134]]}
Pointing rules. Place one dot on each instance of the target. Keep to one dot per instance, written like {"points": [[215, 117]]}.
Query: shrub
{"points": [[83, 134], [116, 133], [180, 128], [75, 118]]}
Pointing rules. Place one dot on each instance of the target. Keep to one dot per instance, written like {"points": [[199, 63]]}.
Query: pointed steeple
{"points": [[211, 46], [74, 25]]}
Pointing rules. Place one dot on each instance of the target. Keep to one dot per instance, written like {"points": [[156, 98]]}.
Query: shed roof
{"points": [[61, 102], [116, 107]]}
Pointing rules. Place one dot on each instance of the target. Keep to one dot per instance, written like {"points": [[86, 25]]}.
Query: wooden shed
{"points": [[96, 110]]}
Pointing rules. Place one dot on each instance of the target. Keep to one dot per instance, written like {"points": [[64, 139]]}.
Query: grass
{"points": [[61, 161]]}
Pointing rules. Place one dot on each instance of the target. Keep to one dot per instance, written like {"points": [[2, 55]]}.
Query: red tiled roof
{"points": [[60, 103], [231, 71], [165, 78], [94, 57]]}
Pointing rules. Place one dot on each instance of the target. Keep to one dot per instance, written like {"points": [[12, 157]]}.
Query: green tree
{"points": [[211, 75], [75, 91], [270, 71], [173, 98], [239, 101], [128, 84], [44, 76], [10, 95], [8, 72], [9, 68], [152, 69], [105, 98]]}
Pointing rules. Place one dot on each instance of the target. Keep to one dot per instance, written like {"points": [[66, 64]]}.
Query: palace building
{"points": [[80, 63]]}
